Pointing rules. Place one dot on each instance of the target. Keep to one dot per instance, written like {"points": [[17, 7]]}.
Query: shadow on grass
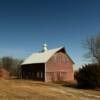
{"points": [[72, 84]]}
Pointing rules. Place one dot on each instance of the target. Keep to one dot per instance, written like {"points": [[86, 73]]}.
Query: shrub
{"points": [[88, 76], [12, 65]]}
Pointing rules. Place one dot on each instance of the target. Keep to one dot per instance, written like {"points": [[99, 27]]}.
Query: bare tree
{"points": [[7, 63], [93, 47], [12, 65]]}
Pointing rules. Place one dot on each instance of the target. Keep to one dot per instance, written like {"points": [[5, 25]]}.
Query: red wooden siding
{"points": [[59, 67]]}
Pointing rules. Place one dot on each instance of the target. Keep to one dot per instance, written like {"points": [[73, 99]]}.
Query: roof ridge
{"points": [[48, 50]]}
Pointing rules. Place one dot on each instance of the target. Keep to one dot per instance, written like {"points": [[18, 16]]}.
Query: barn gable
{"points": [[59, 67]]}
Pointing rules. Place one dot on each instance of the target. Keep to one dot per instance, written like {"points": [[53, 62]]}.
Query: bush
{"points": [[88, 76], [12, 65]]}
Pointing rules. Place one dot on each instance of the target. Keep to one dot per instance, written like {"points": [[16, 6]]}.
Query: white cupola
{"points": [[45, 47]]}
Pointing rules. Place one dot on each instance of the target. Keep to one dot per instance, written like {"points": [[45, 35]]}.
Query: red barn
{"points": [[48, 65]]}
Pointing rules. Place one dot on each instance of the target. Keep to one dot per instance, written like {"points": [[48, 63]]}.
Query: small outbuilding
{"points": [[48, 65]]}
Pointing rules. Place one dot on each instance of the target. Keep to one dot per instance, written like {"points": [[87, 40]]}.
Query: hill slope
{"points": [[31, 90]]}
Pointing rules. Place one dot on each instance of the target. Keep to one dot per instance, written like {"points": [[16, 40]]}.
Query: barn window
{"points": [[65, 60], [59, 59]]}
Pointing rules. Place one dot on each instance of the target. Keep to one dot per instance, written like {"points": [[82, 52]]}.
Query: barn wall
{"points": [[59, 67]]}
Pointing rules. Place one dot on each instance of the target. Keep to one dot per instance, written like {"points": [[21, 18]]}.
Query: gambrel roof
{"points": [[41, 57]]}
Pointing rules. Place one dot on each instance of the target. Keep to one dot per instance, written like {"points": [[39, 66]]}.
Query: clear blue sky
{"points": [[26, 24]]}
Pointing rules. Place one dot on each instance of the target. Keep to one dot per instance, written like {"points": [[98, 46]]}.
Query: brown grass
{"points": [[32, 90]]}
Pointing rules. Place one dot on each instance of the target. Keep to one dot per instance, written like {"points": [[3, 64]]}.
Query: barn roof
{"points": [[41, 57]]}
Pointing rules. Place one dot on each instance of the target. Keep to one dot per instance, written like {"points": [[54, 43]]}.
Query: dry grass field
{"points": [[32, 90]]}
